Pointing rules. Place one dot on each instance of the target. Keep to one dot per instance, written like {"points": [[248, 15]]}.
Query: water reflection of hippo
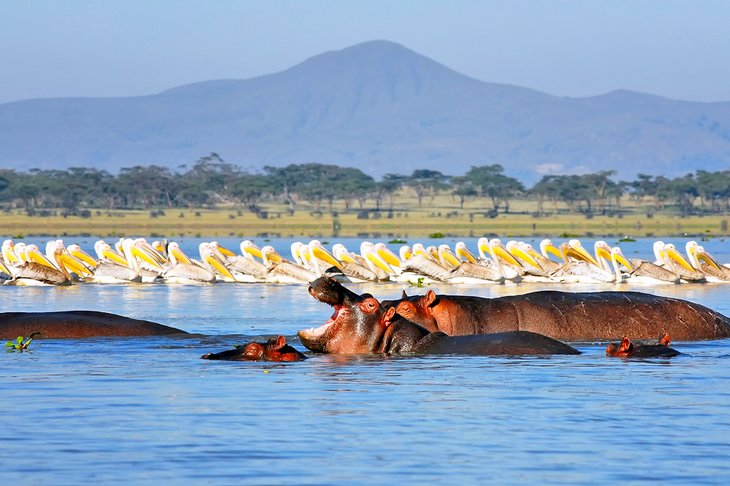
{"points": [[360, 325], [566, 315], [627, 349], [275, 349], [77, 324]]}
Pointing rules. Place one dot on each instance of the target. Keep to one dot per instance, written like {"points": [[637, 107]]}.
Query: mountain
{"points": [[378, 106]]}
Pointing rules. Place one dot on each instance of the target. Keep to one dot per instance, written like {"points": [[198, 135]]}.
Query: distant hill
{"points": [[378, 106]]}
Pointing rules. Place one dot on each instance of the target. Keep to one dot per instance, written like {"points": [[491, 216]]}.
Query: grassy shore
{"points": [[442, 215]]}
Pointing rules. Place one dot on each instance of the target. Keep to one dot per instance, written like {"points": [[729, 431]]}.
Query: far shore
{"points": [[425, 222]]}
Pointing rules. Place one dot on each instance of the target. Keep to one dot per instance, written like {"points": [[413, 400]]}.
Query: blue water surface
{"points": [[148, 410]]}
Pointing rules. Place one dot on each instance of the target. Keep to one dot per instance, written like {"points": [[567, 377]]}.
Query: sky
{"points": [[575, 48]]}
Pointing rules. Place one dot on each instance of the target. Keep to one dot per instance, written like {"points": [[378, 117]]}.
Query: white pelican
{"points": [[115, 268], [700, 259], [35, 269], [282, 270], [181, 269]]}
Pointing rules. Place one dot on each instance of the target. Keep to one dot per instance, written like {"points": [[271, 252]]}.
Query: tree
{"points": [[463, 188], [387, 188], [494, 184], [425, 182]]}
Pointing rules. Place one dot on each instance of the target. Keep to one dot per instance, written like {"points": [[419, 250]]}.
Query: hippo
{"points": [[627, 349], [569, 316], [275, 349], [77, 324], [360, 325]]}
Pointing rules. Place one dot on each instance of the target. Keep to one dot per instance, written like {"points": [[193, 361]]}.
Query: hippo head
{"points": [[356, 326], [275, 349], [626, 348], [417, 308]]}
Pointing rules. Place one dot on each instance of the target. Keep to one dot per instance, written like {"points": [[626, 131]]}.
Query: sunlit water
{"points": [[148, 410]]}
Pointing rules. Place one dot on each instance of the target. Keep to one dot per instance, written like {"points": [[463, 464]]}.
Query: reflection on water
{"points": [[149, 410]]}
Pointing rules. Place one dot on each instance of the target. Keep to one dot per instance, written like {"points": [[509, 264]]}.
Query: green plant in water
{"points": [[626, 239], [397, 241], [437, 235], [417, 283], [21, 344]]}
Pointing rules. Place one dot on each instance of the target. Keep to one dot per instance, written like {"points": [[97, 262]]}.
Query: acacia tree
{"points": [[425, 182], [387, 188], [494, 184]]}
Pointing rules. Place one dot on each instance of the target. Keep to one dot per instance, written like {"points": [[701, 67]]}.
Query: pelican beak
{"points": [[346, 257], [388, 256], [466, 255], [623, 261], [584, 255], [144, 256], [84, 257], [604, 253], [677, 257], [4, 269], [226, 252], [252, 250], [39, 258], [378, 262], [423, 253], [450, 258], [326, 256], [114, 256], [703, 255], [523, 255], [274, 257], [554, 250], [72, 264], [180, 256], [408, 254], [502, 252], [219, 267]]}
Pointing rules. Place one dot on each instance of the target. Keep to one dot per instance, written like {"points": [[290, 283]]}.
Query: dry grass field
{"points": [[440, 215]]}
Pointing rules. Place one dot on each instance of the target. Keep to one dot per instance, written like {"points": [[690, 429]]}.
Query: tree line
{"points": [[212, 182]]}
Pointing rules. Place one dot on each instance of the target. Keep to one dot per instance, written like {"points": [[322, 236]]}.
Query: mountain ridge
{"points": [[376, 105]]}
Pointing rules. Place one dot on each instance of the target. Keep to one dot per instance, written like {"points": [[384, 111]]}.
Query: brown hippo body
{"points": [[77, 324], [360, 325], [275, 349], [627, 349], [566, 315]]}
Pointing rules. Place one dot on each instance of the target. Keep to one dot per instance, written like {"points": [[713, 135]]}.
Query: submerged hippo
{"points": [[360, 325], [275, 349], [627, 349], [77, 324], [569, 316]]}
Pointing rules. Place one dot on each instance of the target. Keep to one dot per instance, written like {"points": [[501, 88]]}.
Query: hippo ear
{"points": [[430, 298], [404, 296], [665, 340], [625, 345], [280, 342], [388, 316]]}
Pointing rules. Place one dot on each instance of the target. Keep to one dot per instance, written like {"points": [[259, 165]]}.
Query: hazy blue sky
{"points": [[678, 49]]}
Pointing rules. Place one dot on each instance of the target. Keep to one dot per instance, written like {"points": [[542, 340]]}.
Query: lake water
{"points": [[148, 410]]}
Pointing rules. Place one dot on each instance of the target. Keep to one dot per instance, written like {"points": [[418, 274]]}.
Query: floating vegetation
{"points": [[437, 235], [419, 282], [397, 241], [626, 239], [21, 344]]}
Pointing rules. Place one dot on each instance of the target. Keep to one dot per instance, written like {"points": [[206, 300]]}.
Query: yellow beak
{"points": [[326, 256], [389, 257], [219, 267], [677, 257], [466, 255], [114, 256]]}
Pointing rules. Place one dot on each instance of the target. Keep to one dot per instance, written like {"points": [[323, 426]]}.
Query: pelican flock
{"points": [[130, 260]]}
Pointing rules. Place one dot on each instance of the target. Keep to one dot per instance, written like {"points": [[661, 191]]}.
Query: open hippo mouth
{"points": [[328, 291]]}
